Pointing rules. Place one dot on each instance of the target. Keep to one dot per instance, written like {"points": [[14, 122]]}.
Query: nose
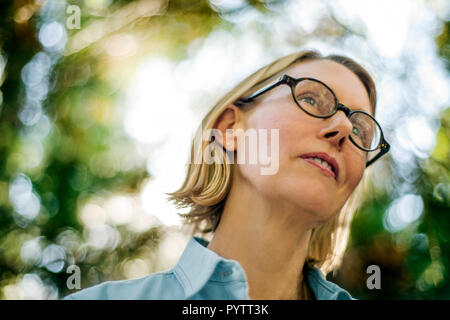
{"points": [[337, 129]]}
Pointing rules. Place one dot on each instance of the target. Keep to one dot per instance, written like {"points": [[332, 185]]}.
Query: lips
{"points": [[324, 156]]}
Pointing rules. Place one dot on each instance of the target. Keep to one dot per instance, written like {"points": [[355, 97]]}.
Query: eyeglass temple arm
{"points": [[282, 80], [385, 146]]}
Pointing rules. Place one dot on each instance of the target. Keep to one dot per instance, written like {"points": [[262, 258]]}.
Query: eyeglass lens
{"points": [[317, 99]]}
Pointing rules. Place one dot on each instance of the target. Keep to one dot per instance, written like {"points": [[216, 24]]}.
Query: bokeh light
{"points": [[402, 212]]}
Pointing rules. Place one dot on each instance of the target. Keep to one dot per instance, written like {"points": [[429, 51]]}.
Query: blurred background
{"points": [[99, 100]]}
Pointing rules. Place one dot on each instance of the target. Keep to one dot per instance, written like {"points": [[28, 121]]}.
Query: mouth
{"points": [[323, 161]]}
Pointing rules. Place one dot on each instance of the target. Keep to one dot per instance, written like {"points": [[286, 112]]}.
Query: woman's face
{"points": [[298, 182]]}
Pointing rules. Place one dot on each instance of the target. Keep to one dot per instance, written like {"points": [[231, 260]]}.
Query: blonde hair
{"points": [[206, 186]]}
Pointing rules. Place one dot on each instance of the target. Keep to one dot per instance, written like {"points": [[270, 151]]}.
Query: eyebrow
{"points": [[352, 109]]}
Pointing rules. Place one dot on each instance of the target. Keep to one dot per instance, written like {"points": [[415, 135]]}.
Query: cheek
{"points": [[265, 117], [292, 127], [355, 171], [292, 133], [273, 130]]}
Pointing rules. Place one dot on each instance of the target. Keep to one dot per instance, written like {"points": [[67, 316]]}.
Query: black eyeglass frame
{"points": [[384, 146]]}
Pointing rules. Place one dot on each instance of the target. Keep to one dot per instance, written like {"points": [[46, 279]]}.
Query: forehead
{"points": [[348, 88]]}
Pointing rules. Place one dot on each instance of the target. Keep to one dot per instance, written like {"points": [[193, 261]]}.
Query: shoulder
{"points": [[157, 286]]}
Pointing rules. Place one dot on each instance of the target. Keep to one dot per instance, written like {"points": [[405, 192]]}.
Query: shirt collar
{"points": [[324, 289], [198, 264]]}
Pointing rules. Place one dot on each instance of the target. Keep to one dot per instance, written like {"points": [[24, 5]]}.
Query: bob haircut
{"points": [[206, 185]]}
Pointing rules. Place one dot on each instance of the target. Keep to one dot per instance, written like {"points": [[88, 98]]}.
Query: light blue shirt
{"points": [[199, 274]]}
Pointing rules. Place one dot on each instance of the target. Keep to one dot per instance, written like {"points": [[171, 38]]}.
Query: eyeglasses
{"points": [[318, 100]]}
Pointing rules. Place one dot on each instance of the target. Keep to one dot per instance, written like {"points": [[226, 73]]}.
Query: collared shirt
{"points": [[199, 274]]}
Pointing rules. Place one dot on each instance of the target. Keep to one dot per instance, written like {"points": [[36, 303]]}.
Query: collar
{"points": [[324, 289], [198, 264]]}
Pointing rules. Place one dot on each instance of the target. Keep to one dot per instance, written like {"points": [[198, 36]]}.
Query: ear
{"points": [[228, 120]]}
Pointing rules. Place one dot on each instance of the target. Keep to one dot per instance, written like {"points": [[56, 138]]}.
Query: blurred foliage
{"points": [[443, 43], [67, 147], [63, 146]]}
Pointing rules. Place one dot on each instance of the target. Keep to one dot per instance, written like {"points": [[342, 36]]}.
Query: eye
{"points": [[361, 134], [308, 100]]}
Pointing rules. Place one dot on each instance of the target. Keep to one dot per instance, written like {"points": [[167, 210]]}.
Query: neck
{"points": [[270, 240]]}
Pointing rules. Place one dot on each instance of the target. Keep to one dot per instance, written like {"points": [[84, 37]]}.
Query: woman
{"points": [[275, 234]]}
